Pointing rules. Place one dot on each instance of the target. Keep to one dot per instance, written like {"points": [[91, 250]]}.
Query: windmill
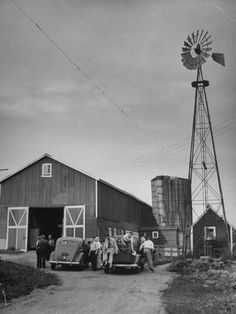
{"points": [[203, 167]]}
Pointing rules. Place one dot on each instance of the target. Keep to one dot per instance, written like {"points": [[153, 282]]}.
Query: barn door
{"points": [[74, 221], [17, 228]]}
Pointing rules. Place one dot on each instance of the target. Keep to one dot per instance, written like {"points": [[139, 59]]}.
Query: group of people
{"points": [[101, 254], [44, 247]]}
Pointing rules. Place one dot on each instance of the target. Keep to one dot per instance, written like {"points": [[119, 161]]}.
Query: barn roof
{"points": [[205, 212], [50, 156], [74, 168]]}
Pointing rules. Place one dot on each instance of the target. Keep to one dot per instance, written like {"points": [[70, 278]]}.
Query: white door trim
{"points": [[17, 226], [74, 223]]}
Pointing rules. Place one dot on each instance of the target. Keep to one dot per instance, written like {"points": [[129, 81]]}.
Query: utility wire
{"points": [[171, 150], [78, 68]]}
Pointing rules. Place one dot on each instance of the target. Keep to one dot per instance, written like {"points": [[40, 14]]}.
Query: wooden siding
{"points": [[119, 207], [210, 219], [175, 203], [66, 187], [3, 222]]}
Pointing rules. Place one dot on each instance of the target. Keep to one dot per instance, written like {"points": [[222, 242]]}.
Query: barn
{"points": [[49, 197], [209, 236]]}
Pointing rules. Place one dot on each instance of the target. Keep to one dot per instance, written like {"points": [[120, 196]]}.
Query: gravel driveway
{"points": [[85, 292]]}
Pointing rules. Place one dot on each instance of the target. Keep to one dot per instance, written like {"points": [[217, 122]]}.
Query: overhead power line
{"points": [[220, 128], [78, 68]]}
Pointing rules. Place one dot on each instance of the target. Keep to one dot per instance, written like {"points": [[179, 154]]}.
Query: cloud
{"points": [[28, 107], [56, 86]]}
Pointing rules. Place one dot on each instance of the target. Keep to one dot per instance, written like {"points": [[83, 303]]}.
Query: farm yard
{"points": [[93, 292], [178, 288]]}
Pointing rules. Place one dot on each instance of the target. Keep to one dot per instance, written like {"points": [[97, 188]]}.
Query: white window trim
{"points": [[155, 234], [209, 227], [44, 173]]}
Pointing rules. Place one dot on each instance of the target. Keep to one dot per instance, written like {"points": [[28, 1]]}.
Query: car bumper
{"points": [[125, 265], [64, 263]]}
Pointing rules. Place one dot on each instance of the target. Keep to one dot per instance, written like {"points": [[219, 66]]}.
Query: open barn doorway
{"points": [[45, 221]]}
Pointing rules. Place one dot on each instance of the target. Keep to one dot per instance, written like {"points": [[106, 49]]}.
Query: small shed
{"points": [[208, 235]]}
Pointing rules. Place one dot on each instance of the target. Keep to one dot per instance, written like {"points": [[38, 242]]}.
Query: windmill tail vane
{"points": [[219, 57], [196, 50]]}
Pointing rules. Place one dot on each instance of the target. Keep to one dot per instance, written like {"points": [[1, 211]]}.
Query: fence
{"points": [[162, 252]]}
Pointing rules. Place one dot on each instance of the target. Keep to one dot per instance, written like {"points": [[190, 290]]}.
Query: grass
{"points": [[208, 291], [18, 280]]}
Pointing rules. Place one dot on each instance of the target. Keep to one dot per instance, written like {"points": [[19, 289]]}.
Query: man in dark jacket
{"points": [[41, 251]]}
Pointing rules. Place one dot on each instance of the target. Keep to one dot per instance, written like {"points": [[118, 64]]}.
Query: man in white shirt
{"points": [[109, 248], [148, 247], [93, 252], [128, 240]]}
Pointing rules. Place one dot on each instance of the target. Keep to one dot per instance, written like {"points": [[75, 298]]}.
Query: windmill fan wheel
{"points": [[196, 49]]}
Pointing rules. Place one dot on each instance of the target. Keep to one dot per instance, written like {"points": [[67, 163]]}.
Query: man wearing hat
{"points": [[42, 251]]}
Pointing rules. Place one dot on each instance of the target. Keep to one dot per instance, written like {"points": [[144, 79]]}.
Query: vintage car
{"points": [[69, 251], [125, 259]]}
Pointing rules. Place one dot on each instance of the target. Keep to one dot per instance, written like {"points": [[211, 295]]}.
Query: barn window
{"points": [[155, 234], [210, 233], [46, 170]]}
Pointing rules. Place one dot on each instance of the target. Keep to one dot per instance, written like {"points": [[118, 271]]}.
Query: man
{"points": [[148, 247], [38, 252], [109, 248], [128, 240], [51, 246], [93, 252], [42, 251]]}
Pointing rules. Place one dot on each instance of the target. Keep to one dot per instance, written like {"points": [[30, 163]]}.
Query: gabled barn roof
{"points": [[76, 169], [50, 156]]}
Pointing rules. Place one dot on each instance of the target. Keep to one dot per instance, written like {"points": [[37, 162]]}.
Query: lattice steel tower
{"points": [[203, 166]]}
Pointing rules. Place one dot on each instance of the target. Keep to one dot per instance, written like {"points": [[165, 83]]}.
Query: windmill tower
{"points": [[203, 167]]}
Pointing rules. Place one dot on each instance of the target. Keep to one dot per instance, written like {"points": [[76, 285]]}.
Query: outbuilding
{"points": [[50, 197], [209, 236]]}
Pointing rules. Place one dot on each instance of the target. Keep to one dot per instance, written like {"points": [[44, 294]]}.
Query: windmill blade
{"points": [[183, 54], [190, 40], [197, 35], [205, 40], [193, 38], [204, 37], [207, 44], [207, 49], [187, 61], [201, 35], [186, 44], [204, 54], [203, 60], [219, 58], [185, 49]]}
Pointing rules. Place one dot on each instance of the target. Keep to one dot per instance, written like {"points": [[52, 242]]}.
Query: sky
{"points": [[99, 84]]}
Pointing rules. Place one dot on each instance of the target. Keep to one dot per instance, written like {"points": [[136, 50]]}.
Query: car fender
{"points": [[52, 256], [79, 257]]}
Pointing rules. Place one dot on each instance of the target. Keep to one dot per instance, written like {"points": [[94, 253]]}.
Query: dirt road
{"points": [[86, 292]]}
